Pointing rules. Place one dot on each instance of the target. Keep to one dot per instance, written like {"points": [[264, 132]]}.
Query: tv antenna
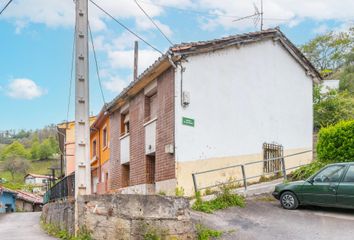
{"points": [[257, 16]]}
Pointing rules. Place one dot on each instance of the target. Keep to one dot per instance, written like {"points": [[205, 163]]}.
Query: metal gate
{"points": [[270, 151]]}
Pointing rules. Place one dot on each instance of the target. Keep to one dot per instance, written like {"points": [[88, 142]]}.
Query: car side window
{"points": [[349, 176], [330, 174]]}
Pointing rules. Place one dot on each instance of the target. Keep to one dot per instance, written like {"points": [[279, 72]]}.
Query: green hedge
{"points": [[336, 143]]}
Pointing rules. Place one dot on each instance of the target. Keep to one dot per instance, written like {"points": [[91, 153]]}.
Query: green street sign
{"points": [[188, 121]]}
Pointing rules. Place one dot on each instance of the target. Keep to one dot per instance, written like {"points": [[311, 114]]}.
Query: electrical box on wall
{"points": [[169, 148], [185, 98]]}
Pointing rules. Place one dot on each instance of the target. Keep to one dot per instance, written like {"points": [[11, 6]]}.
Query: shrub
{"points": [[307, 171], [224, 199], [205, 233], [336, 143]]}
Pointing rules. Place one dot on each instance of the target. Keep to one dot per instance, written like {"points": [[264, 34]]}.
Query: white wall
{"points": [[241, 98]]}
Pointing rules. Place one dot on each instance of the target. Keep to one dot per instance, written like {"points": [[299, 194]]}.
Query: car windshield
{"points": [[330, 174]]}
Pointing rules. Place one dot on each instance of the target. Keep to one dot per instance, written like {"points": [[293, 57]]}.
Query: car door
{"points": [[322, 188], [345, 192]]}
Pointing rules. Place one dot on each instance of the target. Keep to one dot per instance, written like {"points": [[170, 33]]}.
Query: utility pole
{"points": [[82, 122], [261, 15], [136, 49]]}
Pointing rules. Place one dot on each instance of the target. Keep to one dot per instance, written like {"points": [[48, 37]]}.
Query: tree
{"points": [[327, 52], [16, 164], [331, 107], [34, 151], [45, 150], [346, 82], [14, 149]]}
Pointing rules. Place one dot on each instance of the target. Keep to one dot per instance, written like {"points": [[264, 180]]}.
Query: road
{"points": [[264, 219], [22, 226]]}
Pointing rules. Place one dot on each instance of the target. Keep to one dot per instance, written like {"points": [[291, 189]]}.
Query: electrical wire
{"points": [[7, 4], [125, 27], [96, 63], [71, 75], [153, 22]]}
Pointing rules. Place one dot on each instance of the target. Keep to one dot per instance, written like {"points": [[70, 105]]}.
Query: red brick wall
{"points": [[165, 162], [114, 163], [140, 166]]}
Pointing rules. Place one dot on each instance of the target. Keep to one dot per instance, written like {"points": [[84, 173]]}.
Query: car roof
{"points": [[343, 163]]}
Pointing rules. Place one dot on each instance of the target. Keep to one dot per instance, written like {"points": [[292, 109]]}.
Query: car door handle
{"points": [[332, 187]]}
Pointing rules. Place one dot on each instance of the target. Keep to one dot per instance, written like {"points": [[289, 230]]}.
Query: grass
{"points": [[205, 233], [37, 167], [55, 231], [224, 199]]}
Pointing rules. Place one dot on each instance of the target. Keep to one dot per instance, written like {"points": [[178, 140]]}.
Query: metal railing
{"points": [[61, 190], [243, 171]]}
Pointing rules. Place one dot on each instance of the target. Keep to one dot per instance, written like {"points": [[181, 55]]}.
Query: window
{"points": [[151, 107], [272, 151], [349, 177], [105, 137], [330, 174], [124, 125], [94, 148]]}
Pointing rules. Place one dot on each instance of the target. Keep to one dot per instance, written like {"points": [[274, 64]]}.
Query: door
{"points": [[345, 192], [322, 189]]}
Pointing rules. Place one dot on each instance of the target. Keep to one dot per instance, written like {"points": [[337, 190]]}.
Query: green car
{"points": [[332, 186]]}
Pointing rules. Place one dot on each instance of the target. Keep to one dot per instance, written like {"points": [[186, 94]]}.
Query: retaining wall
{"points": [[125, 216]]}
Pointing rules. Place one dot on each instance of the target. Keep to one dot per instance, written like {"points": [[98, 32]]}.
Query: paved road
{"points": [[266, 220], [22, 226]]}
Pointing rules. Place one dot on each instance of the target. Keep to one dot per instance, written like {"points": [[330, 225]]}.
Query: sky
{"points": [[36, 44]]}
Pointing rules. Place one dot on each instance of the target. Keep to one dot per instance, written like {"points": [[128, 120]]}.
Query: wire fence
{"points": [[245, 178], [63, 189]]}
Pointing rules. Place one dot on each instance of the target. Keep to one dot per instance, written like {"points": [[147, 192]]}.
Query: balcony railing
{"points": [[125, 149], [150, 137]]}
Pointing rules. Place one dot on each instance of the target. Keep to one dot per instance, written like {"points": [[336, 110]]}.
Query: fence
{"points": [[61, 190], [244, 174]]}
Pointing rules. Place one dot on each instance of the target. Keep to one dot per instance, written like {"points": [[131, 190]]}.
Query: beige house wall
{"points": [[185, 169]]}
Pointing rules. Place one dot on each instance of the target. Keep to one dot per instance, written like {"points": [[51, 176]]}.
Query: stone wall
{"points": [[123, 216], [60, 214]]}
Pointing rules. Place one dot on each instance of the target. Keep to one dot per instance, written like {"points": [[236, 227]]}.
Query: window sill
{"points": [[124, 136], [151, 121]]}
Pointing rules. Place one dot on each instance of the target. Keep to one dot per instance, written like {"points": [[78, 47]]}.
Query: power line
{"points": [[125, 27], [153, 22], [8, 3], [71, 75], [96, 63]]}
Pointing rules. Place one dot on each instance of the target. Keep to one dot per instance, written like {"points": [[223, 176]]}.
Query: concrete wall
{"points": [[125, 216]]}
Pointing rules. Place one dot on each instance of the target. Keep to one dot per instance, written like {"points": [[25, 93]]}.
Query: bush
{"points": [[307, 171], [336, 143], [205, 233], [224, 199]]}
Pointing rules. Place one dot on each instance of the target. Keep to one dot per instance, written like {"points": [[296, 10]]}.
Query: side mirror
{"points": [[311, 181]]}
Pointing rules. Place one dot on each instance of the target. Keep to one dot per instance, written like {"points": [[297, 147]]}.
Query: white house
{"points": [[39, 182], [219, 103]]}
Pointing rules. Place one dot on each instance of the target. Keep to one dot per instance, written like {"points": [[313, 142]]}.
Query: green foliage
{"points": [[307, 171], [346, 77], [205, 233], [336, 143], [15, 164], [332, 107], [153, 233], [179, 191], [34, 151], [55, 231], [14, 149], [45, 150], [224, 199], [327, 52]]}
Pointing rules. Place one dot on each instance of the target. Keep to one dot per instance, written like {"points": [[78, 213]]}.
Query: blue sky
{"points": [[36, 38]]}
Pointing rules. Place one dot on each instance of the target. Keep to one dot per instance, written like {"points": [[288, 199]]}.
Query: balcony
{"points": [[150, 137], [125, 149]]}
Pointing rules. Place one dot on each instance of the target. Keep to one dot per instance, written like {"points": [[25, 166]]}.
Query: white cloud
{"points": [[124, 59], [23, 88], [115, 84], [323, 28]]}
